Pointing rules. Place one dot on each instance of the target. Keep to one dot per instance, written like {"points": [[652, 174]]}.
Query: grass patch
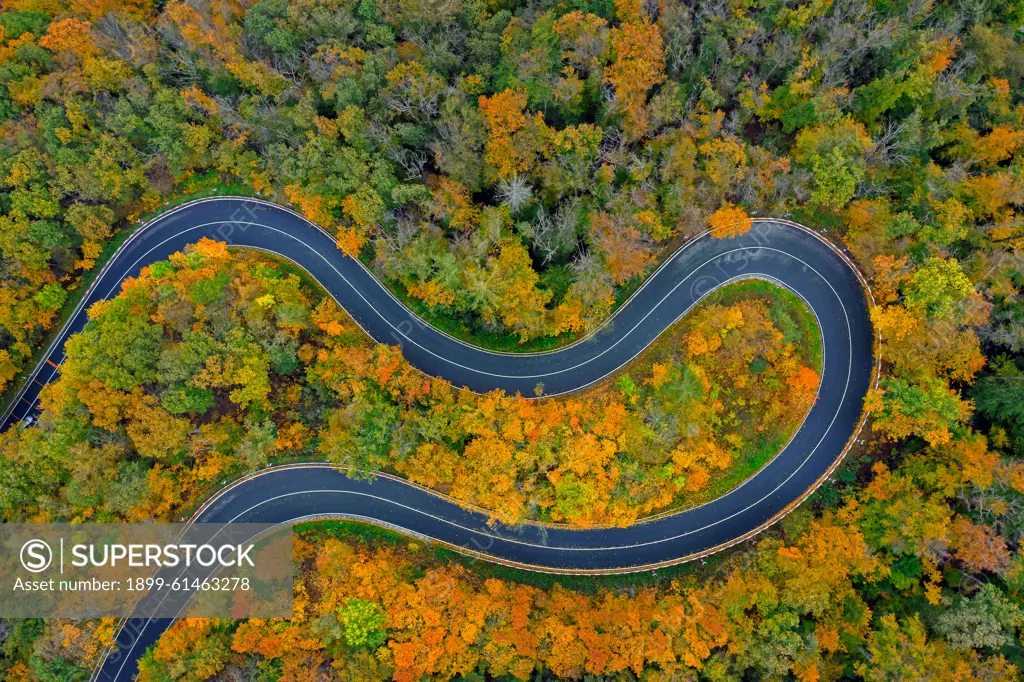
{"points": [[350, 531]]}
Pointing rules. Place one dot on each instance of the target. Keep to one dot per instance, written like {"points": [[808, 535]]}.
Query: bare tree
{"points": [[889, 147], [951, 85], [555, 236], [516, 193]]}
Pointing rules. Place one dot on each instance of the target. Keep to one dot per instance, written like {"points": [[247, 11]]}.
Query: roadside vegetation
{"points": [[219, 361]]}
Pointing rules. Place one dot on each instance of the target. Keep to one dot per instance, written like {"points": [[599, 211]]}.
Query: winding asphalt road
{"points": [[774, 250]]}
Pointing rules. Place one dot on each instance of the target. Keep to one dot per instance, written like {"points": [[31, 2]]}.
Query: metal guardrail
{"points": [[459, 549]]}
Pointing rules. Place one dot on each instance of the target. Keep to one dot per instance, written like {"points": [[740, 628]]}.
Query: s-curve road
{"points": [[778, 251]]}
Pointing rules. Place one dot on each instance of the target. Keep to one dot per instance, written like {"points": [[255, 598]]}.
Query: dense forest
{"points": [[514, 170], [789, 610]]}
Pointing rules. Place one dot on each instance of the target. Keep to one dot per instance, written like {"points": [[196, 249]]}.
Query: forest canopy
{"points": [[396, 613], [514, 170]]}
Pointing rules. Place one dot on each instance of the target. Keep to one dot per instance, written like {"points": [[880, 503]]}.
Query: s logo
{"points": [[36, 556]]}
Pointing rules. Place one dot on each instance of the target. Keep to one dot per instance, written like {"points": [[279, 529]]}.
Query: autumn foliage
{"points": [[513, 170], [212, 363], [372, 612], [729, 221]]}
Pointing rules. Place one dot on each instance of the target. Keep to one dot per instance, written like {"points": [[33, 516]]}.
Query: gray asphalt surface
{"points": [[771, 250]]}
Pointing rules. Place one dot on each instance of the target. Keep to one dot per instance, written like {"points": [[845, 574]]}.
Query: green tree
{"points": [[363, 623], [937, 287], [999, 397], [835, 180], [118, 346], [51, 297], [988, 620]]}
